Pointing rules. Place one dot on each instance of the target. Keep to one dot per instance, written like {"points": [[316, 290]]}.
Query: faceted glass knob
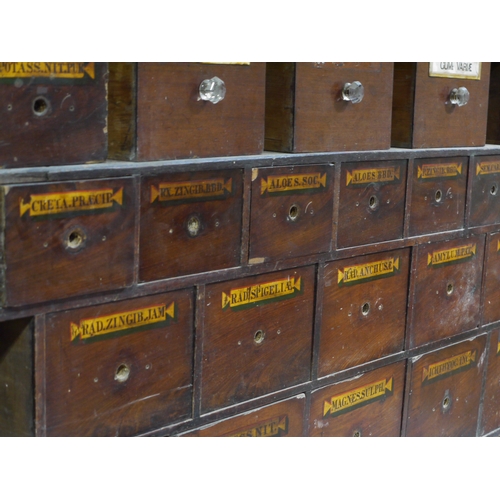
{"points": [[353, 92], [459, 96], [213, 90]]}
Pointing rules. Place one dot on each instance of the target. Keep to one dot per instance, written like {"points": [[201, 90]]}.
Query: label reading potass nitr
{"points": [[270, 428], [430, 171], [451, 255], [60, 72], [292, 183], [208, 189], [362, 176], [465, 70], [351, 275], [449, 366]]}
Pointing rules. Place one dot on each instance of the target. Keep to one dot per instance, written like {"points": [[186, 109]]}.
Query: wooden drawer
{"points": [[423, 114], [368, 405], [364, 309], [257, 336], [491, 401], [52, 113], [491, 300], [291, 213], [372, 202], [437, 195], [447, 286], [186, 216], [306, 112], [445, 390], [66, 239], [156, 113], [485, 195]]}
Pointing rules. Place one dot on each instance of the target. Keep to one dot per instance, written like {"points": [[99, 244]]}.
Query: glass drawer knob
{"points": [[353, 92], [459, 96], [213, 90]]}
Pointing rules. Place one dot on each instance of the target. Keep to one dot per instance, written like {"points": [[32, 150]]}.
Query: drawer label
{"points": [[209, 189], [356, 398], [59, 70], [466, 70], [444, 257], [70, 203], [498, 349], [123, 323], [366, 272], [275, 184], [275, 427], [488, 167], [437, 171], [370, 175], [449, 366], [249, 296]]}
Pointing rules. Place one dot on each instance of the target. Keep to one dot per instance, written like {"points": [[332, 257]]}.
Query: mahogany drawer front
{"points": [[161, 104], [438, 195], [491, 275], [257, 336], [447, 288], [368, 405], [485, 195], [190, 223], [52, 113], [364, 309], [120, 368], [291, 212], [67, 239], [445, 390], [284, 419], [491, 401], [372, 202]]}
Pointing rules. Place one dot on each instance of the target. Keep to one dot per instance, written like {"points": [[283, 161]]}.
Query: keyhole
{"points": [[449, 289], [373, 202], [365, 309], [293, 213], [75, 239], [357, 434], [438, 195], [122, 373], [446, 402], [493, 190], [193, 225], [40, 106], [259, 337]]}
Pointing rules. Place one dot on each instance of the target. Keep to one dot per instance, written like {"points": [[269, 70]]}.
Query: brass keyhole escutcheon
{"points": [[438, 196], [75, 239], [41, 106], [259, 337], [365, 309], [293, 212], [449, 288], [357, 434], [122, 373], [193, 225], [373, 203]]}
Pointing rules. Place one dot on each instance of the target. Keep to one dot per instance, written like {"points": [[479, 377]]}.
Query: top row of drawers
{"points": [[68, 113]]}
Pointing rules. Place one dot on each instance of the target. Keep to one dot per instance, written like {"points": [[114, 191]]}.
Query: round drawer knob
{"points": [[459, 96], [213, 90], [353, 92]]}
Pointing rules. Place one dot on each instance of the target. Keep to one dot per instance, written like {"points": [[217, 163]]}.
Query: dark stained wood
{"points": [[372, 202], [493, 124], [485, 192], [491, 402], [291, 212], [190, 223], [235, 366], [445, 390], [447, 288], [364, 309], [70, 126], [491, 299], [403, 99]]}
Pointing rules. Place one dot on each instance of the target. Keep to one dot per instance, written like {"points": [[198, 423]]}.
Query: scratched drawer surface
{"points": [[190, 223], [445, 390], [372, 202], [491, 299], [121, 368], [67, 239], [52, 113], [257, 336], [447, 288], [437, 195], [291, 213], [364, 309], [491, 402], [368, 405], [485, 196]]}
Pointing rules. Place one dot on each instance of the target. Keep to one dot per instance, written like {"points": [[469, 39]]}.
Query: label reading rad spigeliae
{"points": [[351, 275], [48, 72], [449, 366], [292, 183], [451, 255], [270, 428], [209, 189], [464, 70]]}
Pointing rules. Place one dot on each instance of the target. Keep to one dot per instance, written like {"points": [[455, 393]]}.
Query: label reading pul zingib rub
{"points": [[192, 190], [441, 170], [369, 175], [51, 70], [274, 427], [451, 255], [71, 202], [488, 167], [356, 398], [449, 366], [351, 275], [250, 296], [123, 323], [290, 183]]}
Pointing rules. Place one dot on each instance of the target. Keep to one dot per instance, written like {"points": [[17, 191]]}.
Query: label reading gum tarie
{"points": [[465, 70]]}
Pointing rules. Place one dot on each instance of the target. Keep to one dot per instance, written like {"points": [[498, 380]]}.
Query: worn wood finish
{"points": [[53, 121], [438, 195], [493, 123], [257, 336], [67, 239], [364, 310], [445, 390], [485, 192], [402, 104], [491, 401], [186, 216], [372, 202], [368, 405], [291, 212], [491, 293], [120, 369]]}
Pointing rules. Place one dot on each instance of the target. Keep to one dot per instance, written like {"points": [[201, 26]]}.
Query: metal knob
{"points": [[459, 96], [213, 90], [353, 92]]}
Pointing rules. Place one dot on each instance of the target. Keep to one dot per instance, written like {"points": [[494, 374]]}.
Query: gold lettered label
{"points": [[290, 183], [47, 70], [232, 63], [361, 396], [449, 366], [498, 246], [457, 254], [271, 428], [488, 167], [122, 323], [370, 175], [71, 202], [249, 296], [192, 190], [498, 349], [464, 70], [437, 171], [366, 272]]}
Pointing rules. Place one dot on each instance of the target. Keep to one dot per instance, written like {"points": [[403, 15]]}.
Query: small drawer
{"points": [[491, 400], [491, 299], [485, 194]]}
